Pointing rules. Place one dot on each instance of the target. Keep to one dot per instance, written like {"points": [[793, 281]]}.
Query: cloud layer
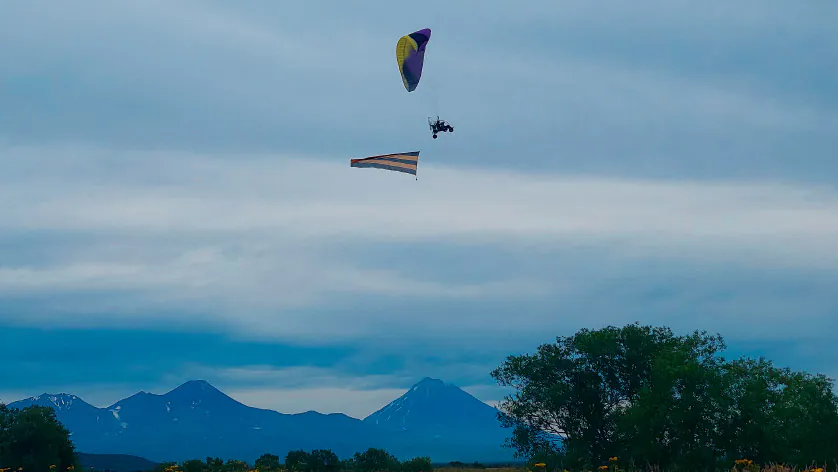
{"points": [[244, 241]]}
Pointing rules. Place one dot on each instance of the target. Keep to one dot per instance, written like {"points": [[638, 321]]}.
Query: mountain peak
{"points": [[61, 401], [195, 388], [56, 401], [200, 392], [436, 408], [431, 386], [197, 385], [429, 382]]}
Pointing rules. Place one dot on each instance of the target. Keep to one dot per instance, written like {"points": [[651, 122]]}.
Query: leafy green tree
{"points": [[214, 464], [233, 465], [348, 464], [650, 397], [323, 460], [418, 464], [571, 394], [267, 462], [5, 440], [32, 438], [753, 390], [375, 460], [297, 460], [195, 465], [805, 419], [674, 419]]}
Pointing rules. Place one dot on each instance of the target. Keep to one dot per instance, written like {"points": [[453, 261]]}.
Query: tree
{"points": [[348, 464], [5, 440], [570, 394], [419, 464], [195, 465], [753, 389], [267, 462], [297, 460], [648, 396], [674, 419], [323, 460], [233, 465], [32, 438], [214, 464], [375, 460], [804, 417], [165, 466]]}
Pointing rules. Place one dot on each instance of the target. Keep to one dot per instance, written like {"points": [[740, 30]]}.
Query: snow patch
{"points": [[61, 402]]}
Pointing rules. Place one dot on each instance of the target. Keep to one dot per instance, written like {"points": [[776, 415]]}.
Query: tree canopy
{"points": [[31, 438], [644, 395]]}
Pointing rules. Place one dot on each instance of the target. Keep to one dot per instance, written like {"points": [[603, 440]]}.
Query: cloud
{"points": [[255, 244], [188, 195]]}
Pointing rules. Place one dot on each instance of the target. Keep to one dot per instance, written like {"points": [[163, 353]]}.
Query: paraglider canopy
{"points": [[410, 54]]}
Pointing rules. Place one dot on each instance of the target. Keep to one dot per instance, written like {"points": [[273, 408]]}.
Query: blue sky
{"points": [[177, 201]]}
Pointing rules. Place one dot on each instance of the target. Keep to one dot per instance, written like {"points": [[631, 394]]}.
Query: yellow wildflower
{"points": [[540, 464], [603, 467], [613, 459]]}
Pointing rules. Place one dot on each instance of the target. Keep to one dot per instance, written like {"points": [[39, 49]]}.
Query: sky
{"points": [[176, 200]]}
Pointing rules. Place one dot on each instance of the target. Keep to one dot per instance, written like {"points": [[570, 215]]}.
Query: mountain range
{"points": [[196, 420]]}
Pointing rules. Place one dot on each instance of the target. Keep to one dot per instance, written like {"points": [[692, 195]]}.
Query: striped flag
{"points": [[402, 162]]}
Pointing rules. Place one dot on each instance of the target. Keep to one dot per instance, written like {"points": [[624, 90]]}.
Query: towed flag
{"points": [[406, 162]]}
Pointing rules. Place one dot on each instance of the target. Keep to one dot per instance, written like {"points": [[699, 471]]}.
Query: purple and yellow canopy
{"points": [[410, 54]]}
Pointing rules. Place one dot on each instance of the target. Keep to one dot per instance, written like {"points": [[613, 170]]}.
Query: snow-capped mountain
{"points": [[81, 418], [196, 420], [59, 402]]}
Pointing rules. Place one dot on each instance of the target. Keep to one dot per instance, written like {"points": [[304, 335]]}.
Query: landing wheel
{"points": [[434, 136]]}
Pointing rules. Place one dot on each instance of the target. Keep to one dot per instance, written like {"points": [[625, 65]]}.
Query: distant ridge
{"points": [[115, 462], [196, 420]]}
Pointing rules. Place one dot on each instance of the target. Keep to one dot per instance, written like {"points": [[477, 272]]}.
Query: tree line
{"points": [[638, 395], [317, 460]]}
